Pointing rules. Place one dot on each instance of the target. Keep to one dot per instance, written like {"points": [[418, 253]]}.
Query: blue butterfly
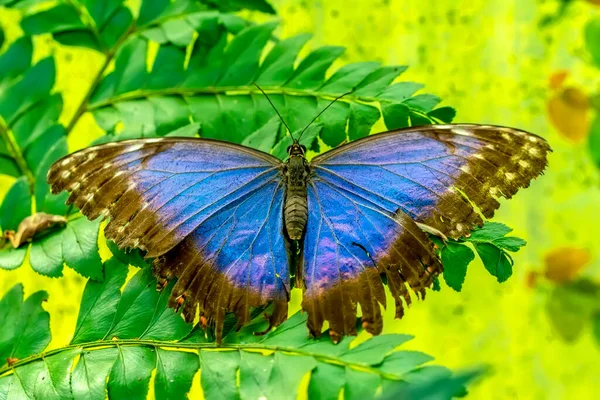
{"points": [[238, 227]]}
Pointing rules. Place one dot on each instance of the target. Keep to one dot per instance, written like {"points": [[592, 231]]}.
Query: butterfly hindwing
{"points": [[371, 200], [350, 242], [207, 211]]}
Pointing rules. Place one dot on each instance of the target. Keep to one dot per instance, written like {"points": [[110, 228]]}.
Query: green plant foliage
{"points": [[25, 324], [492, 246], [594, 141], [592, 40], [123, 336], [214, 84], [573, 306]]}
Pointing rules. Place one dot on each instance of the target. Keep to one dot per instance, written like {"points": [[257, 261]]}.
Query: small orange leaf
{"points": [[557, 79], [11, 361], [569, 113], [531, 279], [565, 263], [596, 2]]}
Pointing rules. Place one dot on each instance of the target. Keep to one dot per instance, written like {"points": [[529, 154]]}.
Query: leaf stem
{"points": [[14, 150], [6, 370], [232, 90]]}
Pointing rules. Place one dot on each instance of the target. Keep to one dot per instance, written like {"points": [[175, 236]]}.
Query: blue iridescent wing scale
{"points": [[370, 202], [208, 212]]}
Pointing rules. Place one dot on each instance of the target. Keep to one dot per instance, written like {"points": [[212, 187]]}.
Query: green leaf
{"points": [[592, 39], [492, 245], [444, 114], [571, 306], [76, 245], [360, 386], [455, 258], [422, 102], [510, 243], [88, 379], [402, 362], [12, 258], [16, 205], [374, 350], [86, 23], [264, 138], [596, 326], [326, 382], [241, 58], [489, 232], [99, 303], [594, 140], [443, 387], [311, 71], [130, 257], [236, 5], [347, 78], [287, 372], [395, 115], [25, 324], [218, 374], [378, 80], [361, 119], [496, 261], [254, 375], [130, 375], [401, 91], [174, 373]]}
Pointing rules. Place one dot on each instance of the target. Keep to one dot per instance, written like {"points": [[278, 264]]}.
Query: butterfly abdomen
{"points": [[295, 209]]}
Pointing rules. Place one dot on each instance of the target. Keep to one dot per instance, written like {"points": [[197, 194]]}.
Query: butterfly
{"points": [[238, 228]]}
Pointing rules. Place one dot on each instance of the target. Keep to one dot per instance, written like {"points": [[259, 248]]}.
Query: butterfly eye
{"points": [[289, 149], [303, 147]]}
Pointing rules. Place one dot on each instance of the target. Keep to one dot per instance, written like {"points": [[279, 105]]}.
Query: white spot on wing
{"points": [[509, 176], [534, 152], [134, 147], [524, 164], [65, 174], [74, 186], [465, 169], [461, 131], [155, 140]]}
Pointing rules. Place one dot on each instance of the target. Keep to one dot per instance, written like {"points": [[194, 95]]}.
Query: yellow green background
{"points": [[490, 60]]}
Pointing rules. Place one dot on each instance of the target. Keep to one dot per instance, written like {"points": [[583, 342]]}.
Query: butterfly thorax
{"points": [[296, 172]]}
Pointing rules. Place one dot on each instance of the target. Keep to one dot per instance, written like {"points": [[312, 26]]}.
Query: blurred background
{"points": [[519, 63]]}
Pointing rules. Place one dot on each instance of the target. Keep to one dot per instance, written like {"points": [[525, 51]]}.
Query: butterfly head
{"points": [[296, 149]]}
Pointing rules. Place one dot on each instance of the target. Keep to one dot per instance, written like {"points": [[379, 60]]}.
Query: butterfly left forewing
{"points": [[373, 200], [209, 212]]}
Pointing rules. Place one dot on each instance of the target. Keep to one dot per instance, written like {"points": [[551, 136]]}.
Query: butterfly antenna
{"points": [[322, 111], [274, 108]]}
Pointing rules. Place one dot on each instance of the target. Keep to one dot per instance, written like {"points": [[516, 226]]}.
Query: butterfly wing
{"points": [[367, 197], [209, 212]]}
